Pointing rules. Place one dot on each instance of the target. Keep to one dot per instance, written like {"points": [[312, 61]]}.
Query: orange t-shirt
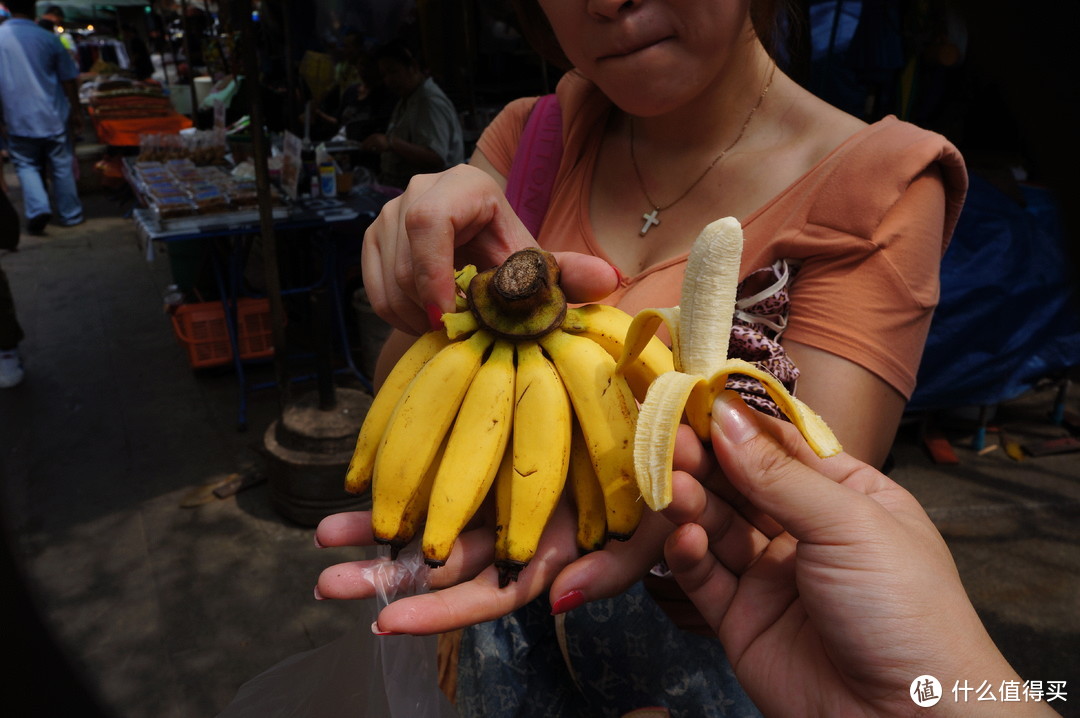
{"points": [[866, 227]]}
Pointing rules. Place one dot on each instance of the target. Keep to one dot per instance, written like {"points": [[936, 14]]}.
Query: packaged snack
{"points": [[172, 207]]}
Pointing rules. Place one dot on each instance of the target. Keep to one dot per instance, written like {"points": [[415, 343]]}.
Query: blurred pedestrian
{"points": [[53, 20], [11, 369], [39, 103], [424, 134]]}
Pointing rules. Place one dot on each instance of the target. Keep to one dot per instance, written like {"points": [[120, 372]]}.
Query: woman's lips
{"points": [[633, 47]]}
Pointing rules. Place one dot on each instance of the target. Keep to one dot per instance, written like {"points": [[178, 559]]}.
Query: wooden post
{"points": [[260, 151]]}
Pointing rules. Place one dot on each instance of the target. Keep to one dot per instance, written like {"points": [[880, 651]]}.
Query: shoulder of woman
{"points": [[872, 170], [499, 140]]}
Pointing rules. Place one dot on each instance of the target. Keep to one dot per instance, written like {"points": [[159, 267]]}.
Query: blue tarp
{"points": [[1010, 307]]}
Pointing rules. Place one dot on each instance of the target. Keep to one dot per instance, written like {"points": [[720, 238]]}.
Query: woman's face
{"points": [[649, 56]]}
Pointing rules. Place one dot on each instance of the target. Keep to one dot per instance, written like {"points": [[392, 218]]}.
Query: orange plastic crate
{"points": [[201, 329]]}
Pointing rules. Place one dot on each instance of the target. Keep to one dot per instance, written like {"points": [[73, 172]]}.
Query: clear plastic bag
{"points": [[359, 674]]}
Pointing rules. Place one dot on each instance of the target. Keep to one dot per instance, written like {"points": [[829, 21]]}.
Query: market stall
{"points": [[212, 210], [123, 110]]}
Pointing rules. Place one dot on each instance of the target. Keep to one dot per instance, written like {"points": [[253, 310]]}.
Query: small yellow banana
{"points": [[588, 496], [476, 446], [607, 412], [504, 488], [540, 454], [420, 421], [700, 329], [414, 511], [607, 326], [358, 475]]}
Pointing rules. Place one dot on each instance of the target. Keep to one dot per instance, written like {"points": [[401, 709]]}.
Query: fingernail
{"points": [[317, 544], [434, 316], [730, 418], [567, 602], [318, 596], [379, 632], [618, 275]]}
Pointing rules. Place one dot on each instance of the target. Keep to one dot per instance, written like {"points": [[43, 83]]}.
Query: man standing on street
{"points": [[39, 104]]}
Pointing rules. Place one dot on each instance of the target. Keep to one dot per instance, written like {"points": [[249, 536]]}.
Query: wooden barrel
{"points": [[308, 450]]}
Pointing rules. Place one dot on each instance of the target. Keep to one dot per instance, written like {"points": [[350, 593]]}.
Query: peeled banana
{"points": [[700, 328], [492, 400]]}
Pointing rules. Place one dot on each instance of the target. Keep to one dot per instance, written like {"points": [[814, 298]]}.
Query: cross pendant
{"points": [[651, 219]]}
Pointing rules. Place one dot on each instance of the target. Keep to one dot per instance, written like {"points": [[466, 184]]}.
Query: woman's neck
{"points": [[714, 118]]}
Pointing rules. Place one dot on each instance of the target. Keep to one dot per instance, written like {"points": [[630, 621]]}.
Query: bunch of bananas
{"points": [[520, 393], [524, 394]]}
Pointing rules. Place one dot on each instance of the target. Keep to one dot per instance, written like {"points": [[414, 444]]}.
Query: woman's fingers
{"points": [[482, 598], [465, 604], [609, 572], [441, 223], [349, 528], [740, 579], [585, 278], [701, 576], [772, 473], [733, 540], [463, 208], [378, 259]]}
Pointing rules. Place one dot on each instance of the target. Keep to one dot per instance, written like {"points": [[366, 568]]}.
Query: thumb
{"points": [[767, 461], [585, 278]]}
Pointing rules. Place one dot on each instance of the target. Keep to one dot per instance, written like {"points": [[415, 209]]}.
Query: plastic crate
{"points": [[202, 330]]}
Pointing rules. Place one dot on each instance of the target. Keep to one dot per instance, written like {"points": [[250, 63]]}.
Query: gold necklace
{"points": [[653, 218]]}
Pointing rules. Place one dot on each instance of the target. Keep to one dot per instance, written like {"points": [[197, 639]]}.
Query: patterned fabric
{"points": [[625, 652], [759, 321]]}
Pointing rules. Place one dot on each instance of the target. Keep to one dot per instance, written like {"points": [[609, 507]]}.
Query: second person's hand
{"points": [[844, 600]]}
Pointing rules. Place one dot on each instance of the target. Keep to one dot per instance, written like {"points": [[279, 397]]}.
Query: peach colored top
{"points": [[866, 226]]}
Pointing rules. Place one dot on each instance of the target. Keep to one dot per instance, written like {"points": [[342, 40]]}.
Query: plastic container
{"points": [[328, 179], [201, 328]]}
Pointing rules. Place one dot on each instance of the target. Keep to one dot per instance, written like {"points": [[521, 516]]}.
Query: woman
{"points": [[675, 115]]}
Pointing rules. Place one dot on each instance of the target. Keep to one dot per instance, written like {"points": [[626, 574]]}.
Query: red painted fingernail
{"points": [[434, 316], [618, 275], [378, 632], [567, 602]]}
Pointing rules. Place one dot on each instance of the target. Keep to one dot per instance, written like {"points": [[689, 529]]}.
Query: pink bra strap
{"points": [[532, 174]]}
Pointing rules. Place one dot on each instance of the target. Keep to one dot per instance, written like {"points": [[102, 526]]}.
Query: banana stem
{"points": [[521, 298]]}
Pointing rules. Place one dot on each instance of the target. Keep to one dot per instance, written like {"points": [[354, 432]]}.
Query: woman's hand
{"points": [[845, 596], [468, 585], [444, 221]]}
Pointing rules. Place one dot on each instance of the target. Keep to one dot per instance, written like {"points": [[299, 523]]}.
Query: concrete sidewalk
{"points": [[166, 610]]}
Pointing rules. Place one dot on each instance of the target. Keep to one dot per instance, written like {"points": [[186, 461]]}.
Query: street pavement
{"points": [[163, 599]]}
